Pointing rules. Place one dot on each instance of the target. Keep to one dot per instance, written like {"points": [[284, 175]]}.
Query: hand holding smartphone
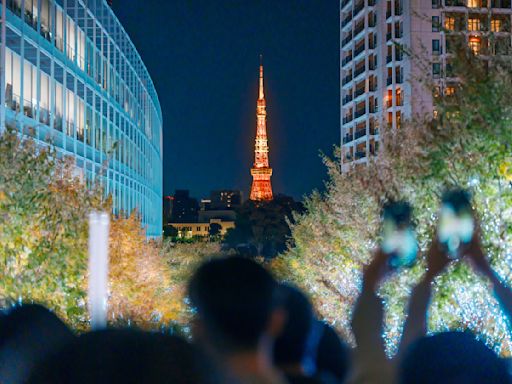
{"points": [[398, 236], [456, 222]]}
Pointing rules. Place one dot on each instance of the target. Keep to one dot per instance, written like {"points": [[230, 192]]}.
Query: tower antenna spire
{"points": [[261, 90], [261, 172]]}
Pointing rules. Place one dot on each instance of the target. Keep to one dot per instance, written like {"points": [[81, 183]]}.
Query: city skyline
{"points": [[204, 74]]}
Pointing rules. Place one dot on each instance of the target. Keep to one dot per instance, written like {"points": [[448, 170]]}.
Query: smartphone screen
{"points": [[398, 236], [456, 222]]}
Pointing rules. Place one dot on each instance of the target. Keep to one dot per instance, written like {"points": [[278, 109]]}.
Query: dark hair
{"points": [[452, 357], [234, 297], [28, 334], [126, 356], [333, 355], [291, 346]]}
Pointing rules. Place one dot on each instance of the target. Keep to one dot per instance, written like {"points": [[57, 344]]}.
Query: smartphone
{"points": [[456, 222], [398, 235]]}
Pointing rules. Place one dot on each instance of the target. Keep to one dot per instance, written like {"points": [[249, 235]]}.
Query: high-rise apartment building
{"points": [[73, 78], [380, 83]]}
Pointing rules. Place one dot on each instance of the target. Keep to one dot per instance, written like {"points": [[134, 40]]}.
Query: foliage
{"points": [[263, 226], [468, 144], [43, 245], [43, 250]]}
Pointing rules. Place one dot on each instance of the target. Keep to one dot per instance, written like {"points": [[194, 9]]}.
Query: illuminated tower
{"points": [[261, 189]]}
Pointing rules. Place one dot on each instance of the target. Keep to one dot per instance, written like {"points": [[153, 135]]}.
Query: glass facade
{"points": [[74, 78]]}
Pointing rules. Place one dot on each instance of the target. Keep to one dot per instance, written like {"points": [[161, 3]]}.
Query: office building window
{"points": [[435, 24]]}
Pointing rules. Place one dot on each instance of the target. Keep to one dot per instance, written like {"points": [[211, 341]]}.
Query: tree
{"points": [[215, 230], [262, 228], [468, 144]]}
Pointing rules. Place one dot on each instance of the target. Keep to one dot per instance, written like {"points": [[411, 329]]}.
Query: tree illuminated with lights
{"points": [[468, 144]]}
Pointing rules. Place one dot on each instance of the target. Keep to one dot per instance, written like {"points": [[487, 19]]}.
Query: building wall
{"points": [[74, 78], [380, 84], [190, 230]]}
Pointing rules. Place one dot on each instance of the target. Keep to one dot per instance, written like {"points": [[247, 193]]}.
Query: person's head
{"points": [[28, 334], [333, 355], [295, 341], [126, 356], [452, 358], [236, 305]]}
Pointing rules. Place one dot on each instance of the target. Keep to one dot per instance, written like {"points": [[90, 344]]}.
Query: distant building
{"points": [[191, 230], [167, 211], [225, 199], [185, 208]]}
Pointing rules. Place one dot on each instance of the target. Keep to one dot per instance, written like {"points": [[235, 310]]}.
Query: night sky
{"points": [[203, 57]]}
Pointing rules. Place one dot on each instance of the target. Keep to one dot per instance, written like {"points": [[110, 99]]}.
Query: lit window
{"points": [[473, 24], [495, 25], [449, 23], [475, 44], [474, 3], [449, 91]]}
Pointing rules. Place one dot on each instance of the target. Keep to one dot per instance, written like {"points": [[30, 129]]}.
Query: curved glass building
{"points": [[74, 78]]}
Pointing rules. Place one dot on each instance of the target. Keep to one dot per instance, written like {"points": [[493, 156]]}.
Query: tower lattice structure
{"points": [[261, 172]]}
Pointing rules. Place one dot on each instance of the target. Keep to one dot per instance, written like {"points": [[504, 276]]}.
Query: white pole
{"points": [[99, 223]]}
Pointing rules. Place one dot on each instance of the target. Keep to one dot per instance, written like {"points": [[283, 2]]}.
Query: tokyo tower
{"points": [[261, 189]]}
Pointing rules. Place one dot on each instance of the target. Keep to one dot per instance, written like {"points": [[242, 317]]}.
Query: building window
{"points": [[449, 23], [436, 70], [449, 91], [496, 25], [436, 4], [435, 24], [475, 44], [473, 24], [436, 47], [474, 3]]}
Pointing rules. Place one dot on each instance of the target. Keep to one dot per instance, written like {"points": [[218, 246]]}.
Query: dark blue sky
{"points": [[203, 56]]}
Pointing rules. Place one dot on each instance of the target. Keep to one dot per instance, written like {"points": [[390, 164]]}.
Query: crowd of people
{"points": [[250, 329]]}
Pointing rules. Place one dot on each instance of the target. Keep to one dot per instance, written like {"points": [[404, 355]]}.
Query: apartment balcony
{"points": [[359, 92], [358, 71], [503, 4], [389, 80], [358, 8], [344, 3], [346, 60], [358, 30], [455, 3], [374, 131], [360, 133], [389, 59], [346, 40], [372, 21], [389, 36], [360, 112], [399, 79], [346, 80], [358, 51], [347, 99], [348, 138], [360, 155], [348, 119], [346, 21]]}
